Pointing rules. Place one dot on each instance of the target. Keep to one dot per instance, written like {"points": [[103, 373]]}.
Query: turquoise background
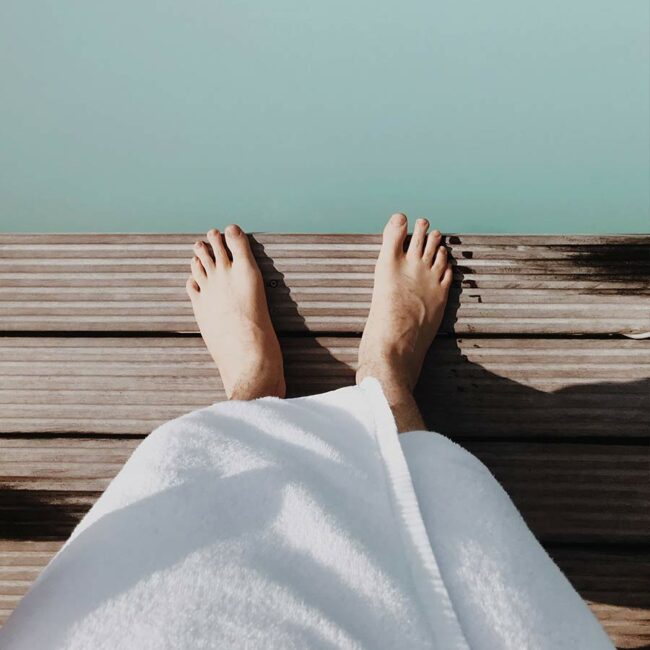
{"points": [[295, 115]]}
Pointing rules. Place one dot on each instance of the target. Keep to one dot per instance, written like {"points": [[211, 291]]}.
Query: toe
{"points": [[198, 272], [440, 262], [202, 251], [431, 247], [218, 247], [447, 277], [394, 235], [192, 287], [419, 236], [238, 244]]}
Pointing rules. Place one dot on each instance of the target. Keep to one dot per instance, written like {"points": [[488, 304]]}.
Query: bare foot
{"points": [[408, 302], [230, 308]]}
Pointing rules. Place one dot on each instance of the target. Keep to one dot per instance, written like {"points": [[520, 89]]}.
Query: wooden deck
{"points": [[541, 370]]}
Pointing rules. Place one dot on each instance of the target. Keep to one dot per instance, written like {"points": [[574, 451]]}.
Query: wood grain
{"points": [[21, 562], [547, 415], [470, 387], [322, 283], [566, 492], [616, 585]]}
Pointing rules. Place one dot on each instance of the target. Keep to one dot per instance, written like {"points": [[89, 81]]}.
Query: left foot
{"points": [[229, 304]]}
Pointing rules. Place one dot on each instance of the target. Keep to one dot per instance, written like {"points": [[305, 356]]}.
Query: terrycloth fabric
{"points": [[304, 523]]}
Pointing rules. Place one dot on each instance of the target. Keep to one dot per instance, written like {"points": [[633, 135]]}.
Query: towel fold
{"points": [[303, 523]]}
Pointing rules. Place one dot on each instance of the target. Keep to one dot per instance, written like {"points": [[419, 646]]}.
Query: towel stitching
{"points": [[372, 389]]}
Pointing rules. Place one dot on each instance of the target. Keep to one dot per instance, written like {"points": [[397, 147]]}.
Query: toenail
{"points": [[233, 230], [436, 233], [423, 222], [398, 219], [213, 232]]}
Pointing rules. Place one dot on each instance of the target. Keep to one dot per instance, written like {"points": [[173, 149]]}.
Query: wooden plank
{"points": [[470, 387], [566, 492], [322, 283], [20, 564], [575, 492], [614, 584]]}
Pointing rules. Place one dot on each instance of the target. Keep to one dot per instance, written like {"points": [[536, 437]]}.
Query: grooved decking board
{"points": [[616, 585], [322, 283], [566, 492], [20, 564], [470, 387]]}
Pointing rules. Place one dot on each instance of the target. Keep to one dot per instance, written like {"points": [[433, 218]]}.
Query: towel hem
{"points": [[425, 571]]}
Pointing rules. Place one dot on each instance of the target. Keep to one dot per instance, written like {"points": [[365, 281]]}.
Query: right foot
{"points": [[230, 308], [408, 302]]}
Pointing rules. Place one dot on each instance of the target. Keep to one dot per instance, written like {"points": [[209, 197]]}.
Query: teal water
{"points": [[294, 115]]}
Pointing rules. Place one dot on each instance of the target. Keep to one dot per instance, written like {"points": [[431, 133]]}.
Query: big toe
{"points": [[394, 235], [238, 244]]}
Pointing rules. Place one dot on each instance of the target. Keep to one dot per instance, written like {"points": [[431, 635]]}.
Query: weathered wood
{"points": [[575, 492], [473, 389], [469, 387], [322, 283], [566, 492], [616, 585], [20, 564], [603, 579]]}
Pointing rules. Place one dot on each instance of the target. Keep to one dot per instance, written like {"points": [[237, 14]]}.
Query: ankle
{"points": [[393, 380], [261, 377], [254, 388], [398, 392], [395, 387], [399, 397]]}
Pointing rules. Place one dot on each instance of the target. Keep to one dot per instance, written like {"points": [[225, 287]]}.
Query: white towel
{"points": [[304, 523]]}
